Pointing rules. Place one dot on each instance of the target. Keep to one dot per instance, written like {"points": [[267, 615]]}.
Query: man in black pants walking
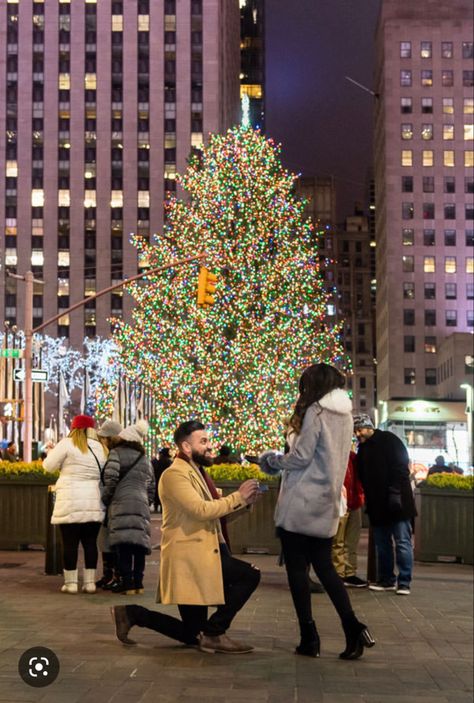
{"points": [[197, 569]]}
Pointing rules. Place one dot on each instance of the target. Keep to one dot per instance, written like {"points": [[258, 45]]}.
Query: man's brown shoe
{"points": [[223, 644], [122, 623]]}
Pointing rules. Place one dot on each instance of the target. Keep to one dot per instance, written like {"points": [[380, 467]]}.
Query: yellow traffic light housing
{"points": [[206, 287]]}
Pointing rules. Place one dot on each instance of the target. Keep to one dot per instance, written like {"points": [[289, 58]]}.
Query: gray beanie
{"points": [[135, 433], [110, 428], [363, 420]]}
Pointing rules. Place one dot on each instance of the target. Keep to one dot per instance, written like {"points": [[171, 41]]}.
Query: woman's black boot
{"points": [[309, 644], [357, 637]]}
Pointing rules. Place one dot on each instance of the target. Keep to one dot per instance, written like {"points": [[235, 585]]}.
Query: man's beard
{"points": [[202, 459]]}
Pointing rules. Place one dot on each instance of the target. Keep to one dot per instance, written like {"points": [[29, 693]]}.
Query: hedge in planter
{"points": [[23, 504], [444, 526]]}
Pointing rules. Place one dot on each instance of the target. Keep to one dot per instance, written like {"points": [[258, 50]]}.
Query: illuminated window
{"points": [[408, 264], [90, 81], [37, 227], [63, 286], [409, 290], [117, 23], [448, 158], [450, 264], [64, 110], [468, 132], [468, 106], [116, 198], [89, 318], [429, 264], [469, 159], [170, 172], [406, 105], [408, 237], [427, 78], [196, 139], [448, 132], [409, 376], [253, 91], [170, 23], [143, 199], [89, 287], [427, 105], [427, 157], [427, 131], [10, 226], [407, 130], [430, 345], [64, 81], [37, 257], [469, 264], [448, 106], [64, 198], [37, 197], [89, 198], [405, 78], [11, 169], [63, 258], [405, 49], [425, 50], [407, 157], [447, 79], [64, 320], [89, 170], [143, 23], [11, 258], [144, 140], [447, 49]]}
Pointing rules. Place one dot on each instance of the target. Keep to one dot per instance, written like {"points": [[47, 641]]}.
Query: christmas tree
{"points": [[234, 365]]}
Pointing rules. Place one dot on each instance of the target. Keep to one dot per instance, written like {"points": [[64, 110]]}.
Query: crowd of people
{"points": [[107, 486]]}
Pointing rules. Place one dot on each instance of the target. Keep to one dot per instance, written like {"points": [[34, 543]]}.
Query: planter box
{"points": [[444, 525], [23, 513], [254, 531]]}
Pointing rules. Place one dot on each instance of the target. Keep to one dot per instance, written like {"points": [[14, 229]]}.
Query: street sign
{"points": [[37, 375], [11, 353]]}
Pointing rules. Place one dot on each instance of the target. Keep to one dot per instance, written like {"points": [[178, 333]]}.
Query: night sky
{"points": [[323, 122]]}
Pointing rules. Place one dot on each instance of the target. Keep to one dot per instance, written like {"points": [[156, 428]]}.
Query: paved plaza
{"points": [[423, 652]]}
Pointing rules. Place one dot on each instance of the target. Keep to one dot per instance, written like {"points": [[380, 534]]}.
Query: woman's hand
{"points": [[265, 463]]}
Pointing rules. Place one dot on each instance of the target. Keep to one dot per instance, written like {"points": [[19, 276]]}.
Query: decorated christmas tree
{"points": [[234, 365]]}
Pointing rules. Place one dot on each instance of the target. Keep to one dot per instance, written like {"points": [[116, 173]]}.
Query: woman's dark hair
{"points": [[315, 382], [120, 442]]}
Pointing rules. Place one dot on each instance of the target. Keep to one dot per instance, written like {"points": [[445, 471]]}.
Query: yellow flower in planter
{"points": [[22, 470], [237, 472]]}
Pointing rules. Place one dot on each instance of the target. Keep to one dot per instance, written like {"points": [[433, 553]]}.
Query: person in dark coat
{"points": [[439, 467], [225, 456], [128, 491], [383, 467], [159, 465]]}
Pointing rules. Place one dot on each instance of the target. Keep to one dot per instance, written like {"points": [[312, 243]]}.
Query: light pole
{"points": [[29, 332], [469, 412]]}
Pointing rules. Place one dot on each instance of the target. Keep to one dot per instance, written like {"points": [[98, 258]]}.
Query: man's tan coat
{"points": [[190, 568]]}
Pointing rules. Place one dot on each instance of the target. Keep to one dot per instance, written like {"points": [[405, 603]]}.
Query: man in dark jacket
{"points": [[382, 462]]}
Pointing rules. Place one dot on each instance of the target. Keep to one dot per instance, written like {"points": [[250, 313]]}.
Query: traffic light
{"points": [[206, 287]]}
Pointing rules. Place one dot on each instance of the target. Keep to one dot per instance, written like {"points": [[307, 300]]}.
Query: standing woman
{"points": [[78, 509], [128, 490], [307, 512]]}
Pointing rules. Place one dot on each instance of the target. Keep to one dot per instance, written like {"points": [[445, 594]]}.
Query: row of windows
{"points": [[429, 211], [429, 237], [430, 316], [427, 131], [429, 345], [426, 106], [427, 80], [429, 290], [429, 264], [428, 158], [446, 49], [409, 377], [428, 184]]}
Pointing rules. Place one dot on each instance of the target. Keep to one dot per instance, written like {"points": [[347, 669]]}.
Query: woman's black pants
{"points": [[84, 533], [301, 551]]}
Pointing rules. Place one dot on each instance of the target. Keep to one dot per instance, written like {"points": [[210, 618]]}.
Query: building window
{"points": [[430, 377], [408, 237], [430, 345], [448, 132], [427, 106], [63, 258], [407, 184], [407, 130], [447, 49], [469, 184], [407, 157], [448, 158], [429, 264], [468, 132], [469, 159], [469, 291], [470, 318], [451, 318], [428, 237], [428, 184], [468, 50], [468, 106], [37, 197], [405, 50], [64, 198], [450, 264], [430, 291], [428, 211], [449, 237], [428, 157], [410, 377], [426, 50], [447, 79], [37, 257], [468, 79], [409, 344], [427, 78], [469, 212], [117, 23], [405, 79], [406, 106], [449, 184], [408, 264], [427, 131], [430, 318], [116, 199], [407, 211], [450, 291], [409, 290], [469, 264], [448, 106], [449, 211], [409, 317]]}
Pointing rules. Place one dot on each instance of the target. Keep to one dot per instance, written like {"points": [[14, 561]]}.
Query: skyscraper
{"points": [[252, 75], [101, 103], [424, 186]]}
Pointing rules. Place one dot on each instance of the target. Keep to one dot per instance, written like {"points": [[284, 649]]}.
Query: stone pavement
{"points": [[423, 652]]}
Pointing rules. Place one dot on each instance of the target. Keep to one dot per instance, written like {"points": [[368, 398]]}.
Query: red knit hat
{"points": [[82, 422]]}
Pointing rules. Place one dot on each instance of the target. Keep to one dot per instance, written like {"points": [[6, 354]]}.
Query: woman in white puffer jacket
{"points": [[78, 508]]}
